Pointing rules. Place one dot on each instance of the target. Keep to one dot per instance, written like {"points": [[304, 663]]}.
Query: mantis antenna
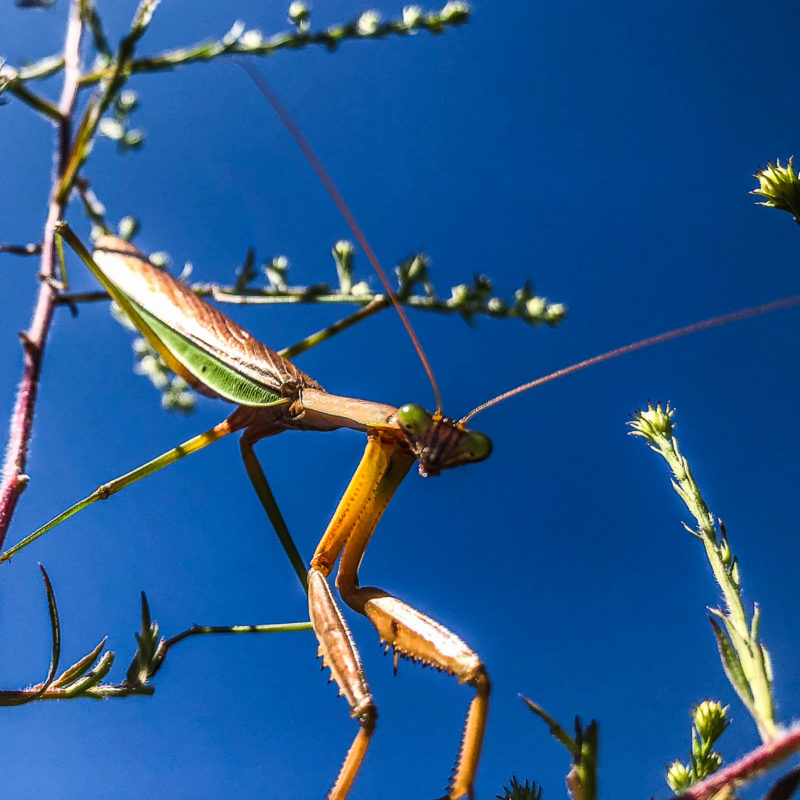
{"points": [[713, 322], [294, 129]]}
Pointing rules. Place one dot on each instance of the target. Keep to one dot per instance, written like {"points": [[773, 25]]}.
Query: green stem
{"points": [[197, 630], [378, 303], [551, 313], [16, 87], [289, 40], [754, 683]]}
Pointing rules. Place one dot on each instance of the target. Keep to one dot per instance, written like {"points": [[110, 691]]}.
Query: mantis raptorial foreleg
{"points": [[407, 631], [414, 635], [339, 653]]}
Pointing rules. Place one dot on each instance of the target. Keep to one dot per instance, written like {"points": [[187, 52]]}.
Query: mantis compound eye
{"points": [[475, 446], [413, 419]]}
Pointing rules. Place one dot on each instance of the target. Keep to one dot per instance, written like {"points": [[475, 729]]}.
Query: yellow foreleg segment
{"points": [[407, 631], [382, 468]]}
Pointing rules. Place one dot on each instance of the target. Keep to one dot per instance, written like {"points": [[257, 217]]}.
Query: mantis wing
{"points": [[197, 341]]}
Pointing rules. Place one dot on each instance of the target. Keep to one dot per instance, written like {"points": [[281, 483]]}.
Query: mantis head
{"points": [[438, 442]]}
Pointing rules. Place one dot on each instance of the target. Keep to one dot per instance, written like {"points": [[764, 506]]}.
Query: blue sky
{"points": [[603, 152]]}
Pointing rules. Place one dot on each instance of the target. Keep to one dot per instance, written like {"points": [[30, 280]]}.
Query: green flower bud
{"points": [[654, 423], [160, 259], [368, 23], [710, 719], [555, 312], [455, 13], [299, 14], [252, 38], [111, 129], [127, 227], [535, 306], [127, 101], [411, 15], [679, 777], [780, 187]]}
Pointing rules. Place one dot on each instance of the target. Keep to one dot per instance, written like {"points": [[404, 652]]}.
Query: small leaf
{"points": [[556, 731], [55, 628], [246, 273], [91, 679], [146, 660], [516, 791], [784, 788], [80, 666], [732, 665], [343, 256]]}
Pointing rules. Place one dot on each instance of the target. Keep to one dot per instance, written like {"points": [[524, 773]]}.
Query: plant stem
{"points": [[768, 755], [14, 479]]}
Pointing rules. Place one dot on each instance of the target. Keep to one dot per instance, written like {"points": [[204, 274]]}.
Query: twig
{"points": [[252, 43], [14, 478], [21, 249], [766, 756]]}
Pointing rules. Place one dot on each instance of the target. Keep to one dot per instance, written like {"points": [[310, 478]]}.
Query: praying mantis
{"points": [[221, 359], [421, 525]]}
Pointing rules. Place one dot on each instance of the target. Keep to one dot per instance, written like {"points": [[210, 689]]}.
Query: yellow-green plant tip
{"points": [[412, 15], [779, 186], [251, 39], [678, 777], [298, 12], [368, 23], [455, 12], [710, 719], [536, 306], [343, 248], [654, 423]]}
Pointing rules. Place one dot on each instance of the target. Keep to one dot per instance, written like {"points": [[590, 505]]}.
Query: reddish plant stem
{"points": [[768, 755], [34, 339]]}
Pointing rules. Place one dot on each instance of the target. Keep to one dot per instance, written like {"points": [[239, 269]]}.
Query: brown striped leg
{"points": [[339, 654], [414, 635], [382, 468]]}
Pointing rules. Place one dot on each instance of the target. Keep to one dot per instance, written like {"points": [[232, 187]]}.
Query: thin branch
{"points": [[252, 43], [538, 312], [378, 303], [16, 87], [21, 249], [43, 68], [14, 479], [747, 768], [197, 630]]}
